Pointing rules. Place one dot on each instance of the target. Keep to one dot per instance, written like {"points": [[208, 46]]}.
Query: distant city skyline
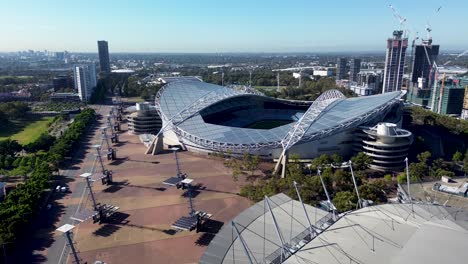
{"points": [[231, 26]]}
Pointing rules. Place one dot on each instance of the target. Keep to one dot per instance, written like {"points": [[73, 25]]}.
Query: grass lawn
{"points": [[25, 131]]}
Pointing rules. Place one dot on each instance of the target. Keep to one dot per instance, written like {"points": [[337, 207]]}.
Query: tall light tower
{"points": [[66, 230]]}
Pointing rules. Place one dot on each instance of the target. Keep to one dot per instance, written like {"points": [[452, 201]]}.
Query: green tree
{"points": [[250, 162], [361, 161], [465, 162], [345, 201], [371, 192], [401, 178], [457, 156], [418, 170], [424, 157], [9, 147], [236, 171]]}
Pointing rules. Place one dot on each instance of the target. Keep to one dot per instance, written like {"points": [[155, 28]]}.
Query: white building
{"points": [[362, 90], [85, 80], [325, 72], [143, 119], [387, 144]]}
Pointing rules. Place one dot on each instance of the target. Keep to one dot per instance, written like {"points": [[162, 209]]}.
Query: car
{"points": [[57, 189], [64, 189]]}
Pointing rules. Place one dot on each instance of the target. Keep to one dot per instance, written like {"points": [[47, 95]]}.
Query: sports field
{"points": [[26, 130]]}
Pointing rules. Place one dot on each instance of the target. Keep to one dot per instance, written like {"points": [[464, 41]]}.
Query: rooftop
{"points": [[178, 95], [388, 233]]}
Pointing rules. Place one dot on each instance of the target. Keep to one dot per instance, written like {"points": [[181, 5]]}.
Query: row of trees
{"points": [[13, 110], [22, 203], [420, 115], [338, 181], [425, 167], [9, 148]]}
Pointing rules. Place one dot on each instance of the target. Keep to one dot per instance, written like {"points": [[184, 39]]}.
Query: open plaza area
{"points": [[141, 229]]}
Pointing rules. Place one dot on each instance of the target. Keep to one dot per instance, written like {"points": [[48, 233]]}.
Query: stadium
{"points": [[208, 118]]}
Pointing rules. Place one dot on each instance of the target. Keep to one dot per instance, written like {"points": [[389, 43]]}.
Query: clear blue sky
{"points": [[224, 25]]}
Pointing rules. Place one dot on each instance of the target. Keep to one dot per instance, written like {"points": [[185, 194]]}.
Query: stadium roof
{"points": [[258, 230], [388, 233], [343, 113]]}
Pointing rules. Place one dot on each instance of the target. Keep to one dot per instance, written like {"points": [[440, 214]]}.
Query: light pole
{"points": [[350, 164], [408, 183], [332, 207]]}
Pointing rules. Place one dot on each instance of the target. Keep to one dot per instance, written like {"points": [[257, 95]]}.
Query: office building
{"points": [[62, 82], [104, 62], [85, 80], [423, 72], [464, 114], [395, 62], [341, 68], [449, 96], [355, 68]]}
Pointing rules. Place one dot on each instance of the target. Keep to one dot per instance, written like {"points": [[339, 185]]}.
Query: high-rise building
{"points": [[85, 80], [395, 62], [61, 82], [355, 67], [341, 68], [423, 72], [464, 113], [103, 49], [450, 95]]}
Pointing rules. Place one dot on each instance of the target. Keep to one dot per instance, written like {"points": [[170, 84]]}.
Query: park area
{"points": [[25, 130]]}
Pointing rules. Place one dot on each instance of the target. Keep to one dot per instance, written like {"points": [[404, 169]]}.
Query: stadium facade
{"points": [[208, 118]]}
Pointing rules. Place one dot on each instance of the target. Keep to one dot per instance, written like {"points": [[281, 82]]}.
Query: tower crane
{"points": [[401, 19]]}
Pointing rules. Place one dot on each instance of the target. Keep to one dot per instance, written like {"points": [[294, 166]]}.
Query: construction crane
{"points": [[428, 25], [401, 19]]}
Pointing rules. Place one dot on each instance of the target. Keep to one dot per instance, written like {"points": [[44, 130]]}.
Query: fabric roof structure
{"points": [[343, 113], [388, 233], [258, 230]]}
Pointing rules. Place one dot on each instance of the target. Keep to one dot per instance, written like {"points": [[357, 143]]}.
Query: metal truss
{"points": [[201, 103], [381, 110], [299, 129], [246, 89], [225, 146], [295, 135]]}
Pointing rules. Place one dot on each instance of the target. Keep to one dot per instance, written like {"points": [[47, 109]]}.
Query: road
{"points": [[58, 251]]}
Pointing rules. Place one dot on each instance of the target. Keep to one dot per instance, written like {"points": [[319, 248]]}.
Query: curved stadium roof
{"points": [[386, 233], [342, 113]]}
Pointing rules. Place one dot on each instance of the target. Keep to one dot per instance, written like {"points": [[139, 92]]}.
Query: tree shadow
{"points": [[37, 237]]}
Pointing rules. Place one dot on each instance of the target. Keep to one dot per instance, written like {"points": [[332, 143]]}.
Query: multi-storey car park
{"points": [[208, 118]]}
